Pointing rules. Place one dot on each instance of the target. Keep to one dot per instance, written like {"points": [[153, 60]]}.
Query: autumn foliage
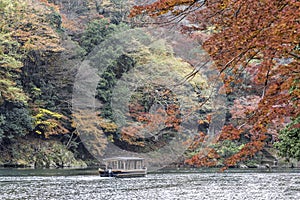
{"points": [[150, 125], [255, 46]]}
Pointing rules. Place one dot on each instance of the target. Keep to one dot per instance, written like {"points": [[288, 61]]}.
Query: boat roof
{"points": [[123, 158]]}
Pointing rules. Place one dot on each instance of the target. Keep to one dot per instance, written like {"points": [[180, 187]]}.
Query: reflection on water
{"points": [[154, 186]]}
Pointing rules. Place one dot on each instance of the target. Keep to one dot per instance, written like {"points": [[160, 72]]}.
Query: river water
{"points": [[68, 184]]}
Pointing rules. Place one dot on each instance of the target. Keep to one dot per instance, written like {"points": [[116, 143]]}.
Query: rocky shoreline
{"points": [[39, 153]]}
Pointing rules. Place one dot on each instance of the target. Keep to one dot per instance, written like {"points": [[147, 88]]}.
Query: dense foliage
{"points": [[255, 47], [289, 144], [38, 61], [25, 31]]}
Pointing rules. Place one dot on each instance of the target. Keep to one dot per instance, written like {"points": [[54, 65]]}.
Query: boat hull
{"points": [[122, 173]]}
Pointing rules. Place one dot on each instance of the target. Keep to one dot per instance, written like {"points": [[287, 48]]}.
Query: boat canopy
{"points": [[124, 163], [123, 158]]}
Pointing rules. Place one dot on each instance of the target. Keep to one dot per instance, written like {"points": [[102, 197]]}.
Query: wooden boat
{"points": [[123, 167]]}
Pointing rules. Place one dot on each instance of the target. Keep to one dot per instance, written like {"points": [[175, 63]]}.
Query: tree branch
{"points": [[294, 55]]}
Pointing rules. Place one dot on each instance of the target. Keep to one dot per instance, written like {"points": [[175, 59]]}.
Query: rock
{"points": [[38, 153], [24, 163]]}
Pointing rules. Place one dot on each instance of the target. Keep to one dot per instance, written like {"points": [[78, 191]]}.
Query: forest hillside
{"points": [[82, 80]]}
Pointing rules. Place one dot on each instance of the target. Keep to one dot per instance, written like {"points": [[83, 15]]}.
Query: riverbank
{"points": [[32, 152], [93, 171]]}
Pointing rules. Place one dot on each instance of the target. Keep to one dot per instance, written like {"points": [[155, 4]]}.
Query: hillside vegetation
{"points": [[51, 48]]}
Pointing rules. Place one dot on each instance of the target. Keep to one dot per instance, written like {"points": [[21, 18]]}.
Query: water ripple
{"points": [[155, 186]]}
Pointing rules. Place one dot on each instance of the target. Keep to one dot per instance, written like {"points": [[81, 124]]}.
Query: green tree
{"points": [[14, 121], [289, 140], [97, 31]]}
